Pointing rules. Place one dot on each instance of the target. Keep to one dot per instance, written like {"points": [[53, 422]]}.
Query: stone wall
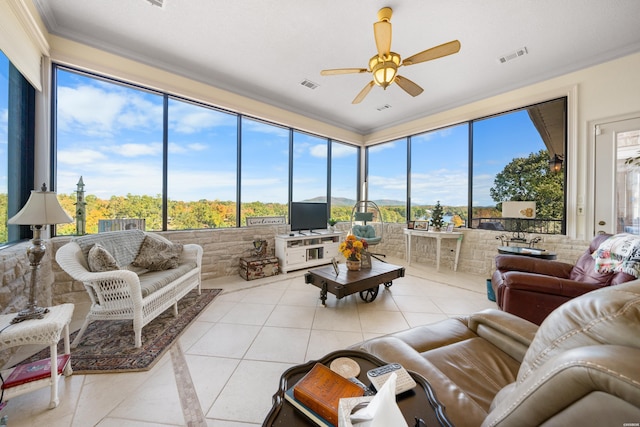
{"points": [[478, 250], [224, 247]]}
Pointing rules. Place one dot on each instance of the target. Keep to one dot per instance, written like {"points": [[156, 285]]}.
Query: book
{"points": [[321, 390], [34, 371], [310, 413]]}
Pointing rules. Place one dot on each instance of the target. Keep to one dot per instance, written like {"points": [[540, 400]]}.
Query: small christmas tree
{"points": [[436, 217]]}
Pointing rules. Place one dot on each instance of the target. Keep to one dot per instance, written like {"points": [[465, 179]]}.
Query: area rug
{"points": [[108, 346]]}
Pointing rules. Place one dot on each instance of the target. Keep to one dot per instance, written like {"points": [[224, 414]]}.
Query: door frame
{"points": [[592, 132]]}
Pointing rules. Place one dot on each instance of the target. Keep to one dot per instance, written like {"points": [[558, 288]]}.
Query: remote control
{"points": [[378, 377]]}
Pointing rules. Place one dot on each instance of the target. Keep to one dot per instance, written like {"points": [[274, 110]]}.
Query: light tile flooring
{"points": [[226, 366]]}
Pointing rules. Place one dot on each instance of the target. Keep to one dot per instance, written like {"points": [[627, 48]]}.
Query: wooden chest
{"points": [[257, 267]]}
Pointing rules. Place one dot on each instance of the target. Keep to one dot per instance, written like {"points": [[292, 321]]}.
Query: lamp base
{"points": [[29, 313]]}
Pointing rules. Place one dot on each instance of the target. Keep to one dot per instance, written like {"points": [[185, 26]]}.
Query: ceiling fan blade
{"points": [[410, 87], [382, 34], [335, 71], [364, 92], [433, 53]]}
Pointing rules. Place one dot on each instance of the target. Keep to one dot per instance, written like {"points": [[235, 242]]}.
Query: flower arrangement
{"points": [[352, 247]]}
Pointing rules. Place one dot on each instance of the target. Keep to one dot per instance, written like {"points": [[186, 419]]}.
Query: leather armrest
{"points": [[562, 391], [508, 332], [546, 284], [533, 265]]}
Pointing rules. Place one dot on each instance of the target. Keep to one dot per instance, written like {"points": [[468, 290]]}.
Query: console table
{"points": [[49, 330], [438, 235], [420, 402]]}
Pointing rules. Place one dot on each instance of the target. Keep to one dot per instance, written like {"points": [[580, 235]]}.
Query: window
{"points": [[111, 135], [439, 173], [202, 166], [17, 130], [309, 168], [4, 146], [511, 155], [344, 179], [387, 179], [264, 177]]}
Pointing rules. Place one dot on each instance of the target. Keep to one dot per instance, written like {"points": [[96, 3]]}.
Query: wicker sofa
{"points": [[131, 275]]}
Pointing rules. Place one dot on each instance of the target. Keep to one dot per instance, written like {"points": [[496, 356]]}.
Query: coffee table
{"points": [[365, 281], [419, 402]]}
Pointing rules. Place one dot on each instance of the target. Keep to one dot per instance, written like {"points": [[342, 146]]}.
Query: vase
{"points": [[353, 265]]}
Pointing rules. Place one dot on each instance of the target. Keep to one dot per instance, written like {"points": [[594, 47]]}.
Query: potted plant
{"points": [[332, 223], [351, 248], [436, 217]]}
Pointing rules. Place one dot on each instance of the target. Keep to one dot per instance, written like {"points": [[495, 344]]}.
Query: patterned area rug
{"points": [[108, 346]]}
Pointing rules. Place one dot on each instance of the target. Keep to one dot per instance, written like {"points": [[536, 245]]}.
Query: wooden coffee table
{"points": [[419, 402], [347, 282]]}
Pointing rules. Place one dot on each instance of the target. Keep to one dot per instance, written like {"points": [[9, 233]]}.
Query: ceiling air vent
{"points": [[384, 107], [308, 83], [512, 55]]}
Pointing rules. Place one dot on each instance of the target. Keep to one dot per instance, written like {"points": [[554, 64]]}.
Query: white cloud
{"points": [[343, 150], [188, 119], [79, 157], [319, 151], [136, 150], [96, 111]]}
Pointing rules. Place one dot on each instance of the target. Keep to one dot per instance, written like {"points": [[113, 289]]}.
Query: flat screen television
{"points": [[308, 216]]}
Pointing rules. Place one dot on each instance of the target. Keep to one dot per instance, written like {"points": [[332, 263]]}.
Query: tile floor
{"points": [[226, 366]]}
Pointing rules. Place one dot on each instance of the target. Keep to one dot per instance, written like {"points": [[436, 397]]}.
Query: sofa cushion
{"points": [[158, 254], [604, 316], [122, 245], [155, 280], [100, 259]]}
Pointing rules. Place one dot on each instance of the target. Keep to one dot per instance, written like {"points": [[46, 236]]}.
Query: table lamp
{"points": [[41, 209]]}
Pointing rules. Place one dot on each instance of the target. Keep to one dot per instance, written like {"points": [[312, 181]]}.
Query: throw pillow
{"points": [[101, 260], [156, 254]]}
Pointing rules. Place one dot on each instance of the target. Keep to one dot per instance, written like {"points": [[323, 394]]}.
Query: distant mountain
{"points": [[342, 201]]}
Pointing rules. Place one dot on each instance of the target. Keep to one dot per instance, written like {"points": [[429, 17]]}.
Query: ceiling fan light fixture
{"points": [[385, 69]]}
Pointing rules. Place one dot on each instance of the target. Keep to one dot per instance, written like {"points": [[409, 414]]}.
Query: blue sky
{"points": [[112, 136], [4, 116]]}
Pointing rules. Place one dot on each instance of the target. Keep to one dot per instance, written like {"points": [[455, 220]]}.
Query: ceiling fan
{"points": [[384, 65]]}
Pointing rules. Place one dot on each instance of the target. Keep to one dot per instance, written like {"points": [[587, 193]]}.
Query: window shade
{"points": [[22, 41]]}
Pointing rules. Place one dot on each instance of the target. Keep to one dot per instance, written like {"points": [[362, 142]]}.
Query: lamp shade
{"points": [[42, 208]]}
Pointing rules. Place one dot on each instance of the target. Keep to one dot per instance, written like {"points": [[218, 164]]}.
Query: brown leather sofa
{"points": [[580, 367], [532, 288]]}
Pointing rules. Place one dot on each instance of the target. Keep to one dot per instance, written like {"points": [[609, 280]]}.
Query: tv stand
{"points": [[305, 250]]}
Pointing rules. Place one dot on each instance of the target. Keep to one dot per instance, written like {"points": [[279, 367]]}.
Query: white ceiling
{"points": [[264, 49]]}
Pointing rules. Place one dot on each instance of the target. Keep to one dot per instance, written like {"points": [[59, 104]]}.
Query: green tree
{"points": [[529, 178]]}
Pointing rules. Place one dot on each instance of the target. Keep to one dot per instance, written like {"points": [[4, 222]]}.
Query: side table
{"points": [[48, 330], [420, 402], [531, 252]]}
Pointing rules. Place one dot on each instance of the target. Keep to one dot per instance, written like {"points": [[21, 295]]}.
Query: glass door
{"points": [[617, 177]]}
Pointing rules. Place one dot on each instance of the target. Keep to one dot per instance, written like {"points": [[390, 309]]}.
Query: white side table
{"points": [[39, 331], [438, 235]]}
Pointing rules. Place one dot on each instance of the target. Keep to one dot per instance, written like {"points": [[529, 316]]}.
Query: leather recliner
{"points": [[580, 367], [532, 288]]}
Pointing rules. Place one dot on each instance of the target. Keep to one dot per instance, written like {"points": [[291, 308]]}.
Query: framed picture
{"points": [[335, 266], [410, 225], [449, 227], [365, 260], [421, 225]]}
